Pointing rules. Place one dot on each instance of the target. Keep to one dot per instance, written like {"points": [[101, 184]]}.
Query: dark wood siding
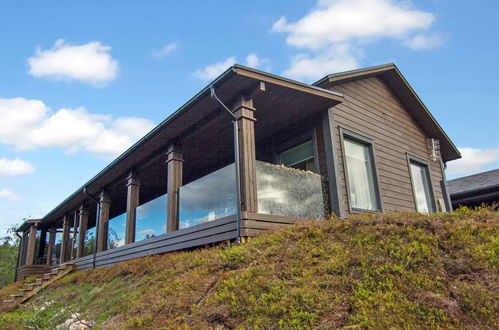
{"points": [[371, 109]]}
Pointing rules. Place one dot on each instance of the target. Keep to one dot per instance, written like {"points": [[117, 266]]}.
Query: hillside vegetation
{"points": [[376, 271]]}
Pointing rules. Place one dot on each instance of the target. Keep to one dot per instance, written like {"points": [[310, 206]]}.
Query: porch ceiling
{"points": [[204, 132]]}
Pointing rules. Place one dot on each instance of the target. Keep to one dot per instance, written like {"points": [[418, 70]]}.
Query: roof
{"points": [[474, 183], [391, 75], [235, 80]]}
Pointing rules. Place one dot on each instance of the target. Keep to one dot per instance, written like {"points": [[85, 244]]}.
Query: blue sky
{"points": [[82, 80]]}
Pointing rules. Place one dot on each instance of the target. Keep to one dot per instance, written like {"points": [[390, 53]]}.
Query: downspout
{"points": [[97, 223], [236, 162]]}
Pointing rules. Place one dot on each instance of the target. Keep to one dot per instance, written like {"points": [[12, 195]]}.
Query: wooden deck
{"points": [[211, 232]]}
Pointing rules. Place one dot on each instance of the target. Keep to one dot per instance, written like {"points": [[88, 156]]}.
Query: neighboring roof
{"points": [[474, 183], [407, 96], [237, 78]]}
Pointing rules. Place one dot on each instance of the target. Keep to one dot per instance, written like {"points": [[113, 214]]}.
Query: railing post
{"points": [[243, 110], [132, 202], [105, 203], [174, 160], [83, 215]]}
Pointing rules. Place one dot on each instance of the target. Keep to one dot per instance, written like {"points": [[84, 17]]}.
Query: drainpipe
{"points": [[97, 223], [236, 161]]}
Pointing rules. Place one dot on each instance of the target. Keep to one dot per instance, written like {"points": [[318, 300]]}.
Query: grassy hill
{"points": [[380, 271]]}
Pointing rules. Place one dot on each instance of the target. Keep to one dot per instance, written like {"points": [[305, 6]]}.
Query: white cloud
{"points": [[474, 160], [30, 124], [167, 49], [6, 194], [253, 61], [335, 31], [422, 41], [311, 67], [90, 63], [214, 70], [146, 232], [14, 167]]}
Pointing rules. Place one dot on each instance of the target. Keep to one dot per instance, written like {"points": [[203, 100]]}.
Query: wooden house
{"points": [[357, 141]]}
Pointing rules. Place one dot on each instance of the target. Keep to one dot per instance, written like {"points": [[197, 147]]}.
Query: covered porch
{"points": [[176, 188]]}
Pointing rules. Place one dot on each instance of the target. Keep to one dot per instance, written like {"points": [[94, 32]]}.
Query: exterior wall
{"points": [[371, 109]]}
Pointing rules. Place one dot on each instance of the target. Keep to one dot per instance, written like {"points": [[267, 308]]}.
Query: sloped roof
{"points": [[475, 182], [394, 79]]}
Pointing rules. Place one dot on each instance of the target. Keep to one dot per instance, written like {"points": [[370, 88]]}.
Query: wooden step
{"points": [[8, 301], [17, 295], [25, 290]]}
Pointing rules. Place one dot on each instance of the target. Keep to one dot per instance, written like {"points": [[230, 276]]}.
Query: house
{"points": [[475, 190], [357, 141]]}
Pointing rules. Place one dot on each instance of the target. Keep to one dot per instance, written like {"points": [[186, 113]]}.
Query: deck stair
{"points": [[31, 289]]}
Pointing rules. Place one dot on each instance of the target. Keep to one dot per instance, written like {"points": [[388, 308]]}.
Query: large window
{"points": [[362, 187], [300, 157], [423, 194]]}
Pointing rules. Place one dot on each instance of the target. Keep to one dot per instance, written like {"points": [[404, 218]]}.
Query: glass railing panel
{"points": [[116, 231], [290, 192], [88, 247], [208, 198], [151, 218]]}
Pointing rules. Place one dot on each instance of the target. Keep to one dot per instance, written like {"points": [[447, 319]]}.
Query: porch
{"points": [[176, 188]]}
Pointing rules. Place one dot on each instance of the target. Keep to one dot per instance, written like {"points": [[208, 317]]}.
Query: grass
{"points": [[369, 271]]}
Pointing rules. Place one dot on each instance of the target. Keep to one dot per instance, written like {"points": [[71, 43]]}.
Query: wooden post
{"points": [[65, 240], [105, 203], [22, 243], [73, 237], [132, 202], [243, 110], [30, 256], [50, 247], [82, 232], [174, 182], [328, 127]]}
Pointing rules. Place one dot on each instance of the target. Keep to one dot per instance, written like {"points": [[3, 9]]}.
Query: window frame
{"points": [[295, 141], [412, 159], [369, 143]]}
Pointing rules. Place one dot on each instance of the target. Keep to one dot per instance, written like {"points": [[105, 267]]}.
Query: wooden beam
{"points": [[74, 236], [335, 194], [30, 256], [50, 247], [83, 215], [105, 204], [132, 202], [174, 162], [243, 110], [42, 244], [65, 240]]}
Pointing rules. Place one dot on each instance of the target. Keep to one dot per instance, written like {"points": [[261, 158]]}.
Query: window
{"points": [[421, 186], [363, 191], [300, 157]]}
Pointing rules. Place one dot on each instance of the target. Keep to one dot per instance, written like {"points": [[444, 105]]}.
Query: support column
{"points": [[174, 182], [328, 127], [50, 247], [82, 232], [73, 237], [243, 110], [65, 240], [20, 254], [132, 202], [30, 256], [105, 203]]}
